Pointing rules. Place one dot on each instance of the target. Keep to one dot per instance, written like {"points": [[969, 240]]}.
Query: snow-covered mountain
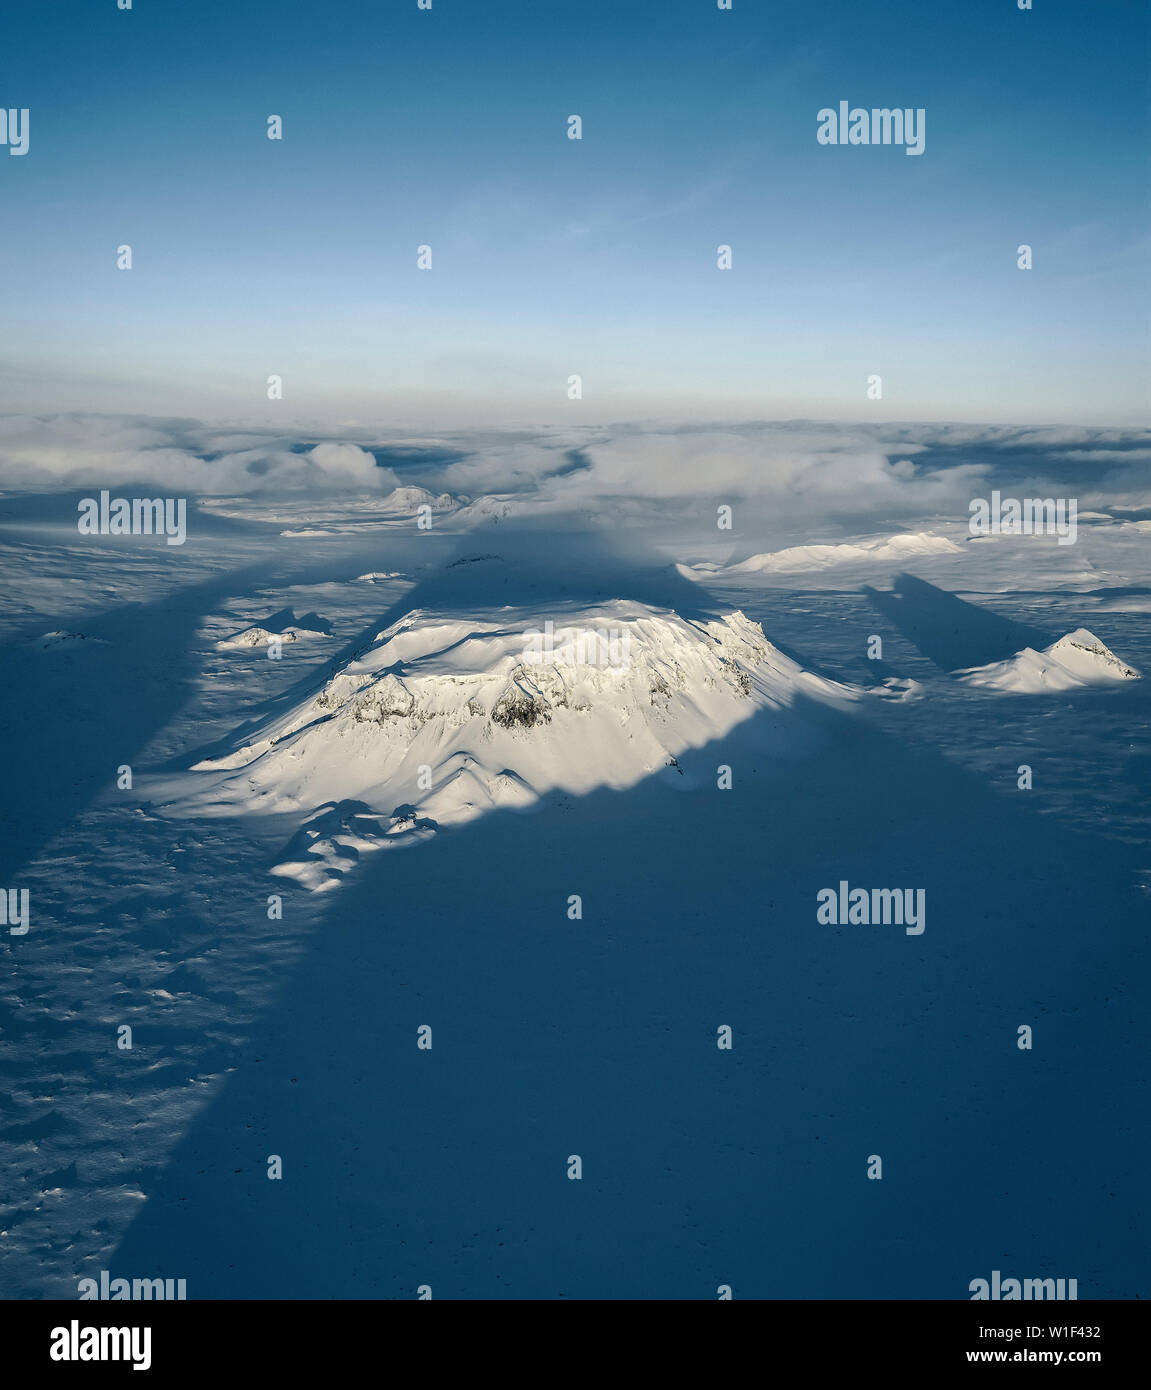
{"points": [[799, 558], [445, 716], [488, 509], [410, 499], [1078, 659]]}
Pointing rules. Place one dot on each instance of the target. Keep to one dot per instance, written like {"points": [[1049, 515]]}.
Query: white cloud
{"points": [[49, 453], [804, 469]]}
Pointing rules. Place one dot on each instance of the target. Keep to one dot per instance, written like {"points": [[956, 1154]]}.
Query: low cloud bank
{"points": [[799, 467], [45, 454]]}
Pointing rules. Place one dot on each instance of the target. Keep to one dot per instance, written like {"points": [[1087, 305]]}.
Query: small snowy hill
{"points": [[64, 641], [1079, 659], [260, 636], [800, 558], [445, 716]]}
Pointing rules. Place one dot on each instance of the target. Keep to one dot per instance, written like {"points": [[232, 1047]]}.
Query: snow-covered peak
{"points": [[445, 716], [1078, 659], [410, 499]]}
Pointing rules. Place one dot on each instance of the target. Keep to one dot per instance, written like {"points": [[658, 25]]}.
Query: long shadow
{"points": [[74, 717], [950, 631], [596, 1037]]}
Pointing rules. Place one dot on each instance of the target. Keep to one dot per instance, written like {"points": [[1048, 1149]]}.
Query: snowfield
{"points": [[197, 812]]}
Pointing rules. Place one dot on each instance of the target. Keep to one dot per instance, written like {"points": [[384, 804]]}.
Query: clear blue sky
{"points": [[554, 257]]}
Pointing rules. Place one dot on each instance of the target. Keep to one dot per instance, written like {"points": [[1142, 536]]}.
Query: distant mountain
{"points": [[410, 499], [896, 548], [1079, 659], [489, 509]]}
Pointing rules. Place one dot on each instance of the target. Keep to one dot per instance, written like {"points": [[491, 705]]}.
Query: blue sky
{"points": [[554, 257]]}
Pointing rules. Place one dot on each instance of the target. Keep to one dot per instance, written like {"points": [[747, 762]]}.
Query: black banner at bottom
{"points": [[189, 1338]]}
